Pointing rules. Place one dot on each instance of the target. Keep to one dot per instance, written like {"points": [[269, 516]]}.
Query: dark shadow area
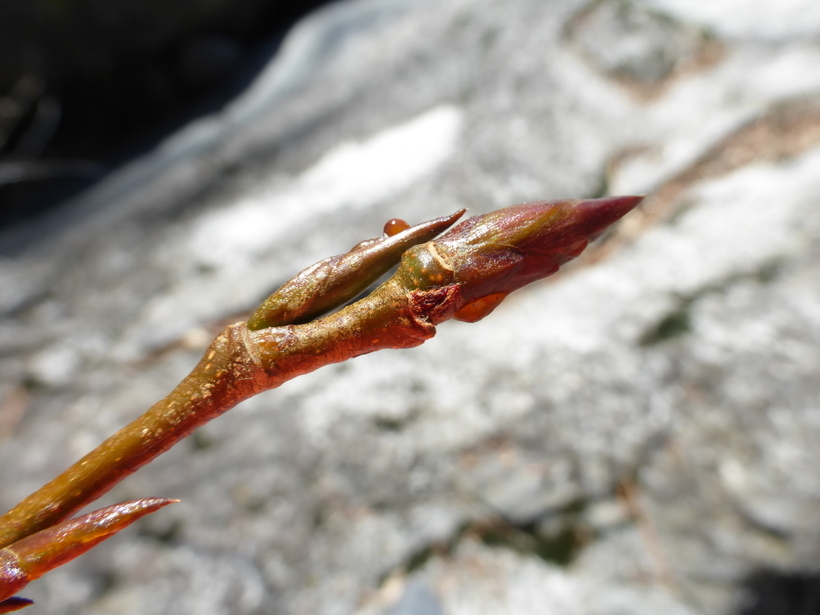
{"points": [[559, 547], [771, 592], [558, 543], [62, 129]]}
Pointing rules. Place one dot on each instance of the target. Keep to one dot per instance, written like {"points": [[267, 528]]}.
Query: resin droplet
{"points": [[395, 226], [478, 309]]}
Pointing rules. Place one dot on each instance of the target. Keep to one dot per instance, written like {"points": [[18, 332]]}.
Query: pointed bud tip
{"points": [[592, 217], [612, 207], [43, 551]]}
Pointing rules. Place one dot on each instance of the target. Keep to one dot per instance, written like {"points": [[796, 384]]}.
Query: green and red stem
{"points": [[464, 274]]}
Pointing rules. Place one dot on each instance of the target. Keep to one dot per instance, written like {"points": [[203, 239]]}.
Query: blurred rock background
{"points": [[638, 436]]}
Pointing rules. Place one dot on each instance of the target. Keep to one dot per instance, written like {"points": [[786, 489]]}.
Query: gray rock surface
{"points": [[636, 436]]}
